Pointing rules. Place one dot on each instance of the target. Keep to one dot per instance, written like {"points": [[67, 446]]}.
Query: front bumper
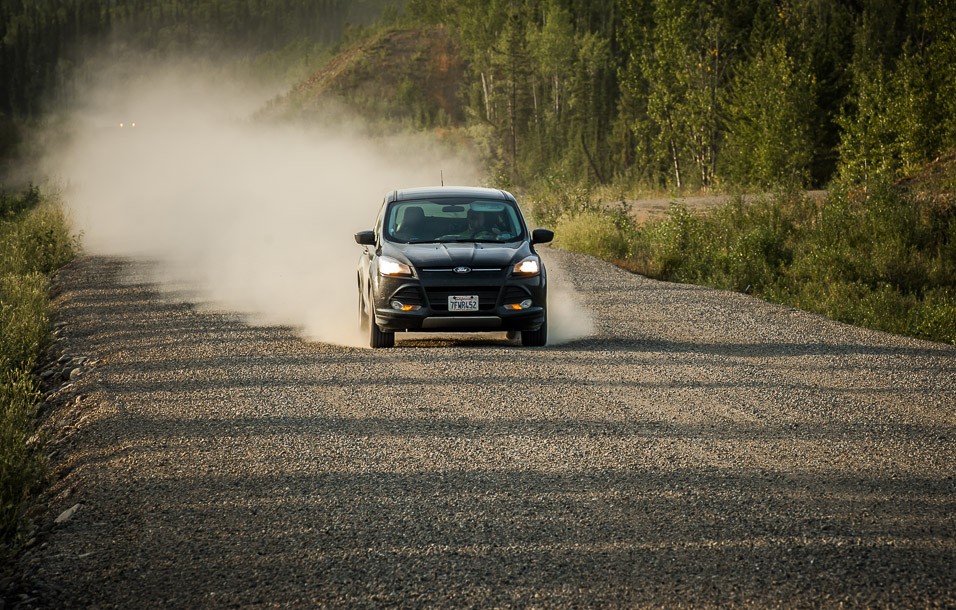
{"points": [[432, 315]]}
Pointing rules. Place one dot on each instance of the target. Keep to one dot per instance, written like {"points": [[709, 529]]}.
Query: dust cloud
{"points": [[250, 216], [567, 317]]}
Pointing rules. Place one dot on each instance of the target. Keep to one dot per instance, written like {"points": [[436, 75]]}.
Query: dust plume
{"points": [[251, 216], [567, 317]]}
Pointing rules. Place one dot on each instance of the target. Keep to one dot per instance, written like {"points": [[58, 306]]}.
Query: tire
{"points": [[362, 315], [535, 338], [376, 337], [379, 338]]}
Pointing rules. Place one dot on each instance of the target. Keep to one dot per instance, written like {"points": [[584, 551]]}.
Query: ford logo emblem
{"points": [[462, 269]]}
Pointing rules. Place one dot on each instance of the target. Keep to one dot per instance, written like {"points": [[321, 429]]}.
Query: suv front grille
{"points": [[515, 294], [487, 296], [450, 271], [409, 295]]}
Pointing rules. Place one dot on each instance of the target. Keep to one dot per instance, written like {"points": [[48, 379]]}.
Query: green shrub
{"points": [[20, 466], [884, 307], [24, 318], [878, 258], [737, 247], [936, 315], [750, 244], [12, 206], [555, 196], [38, 241], [669, 248], [591, 232], [34, 242]]}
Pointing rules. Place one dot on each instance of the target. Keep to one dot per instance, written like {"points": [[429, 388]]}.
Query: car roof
{"points": [[429, 192]]}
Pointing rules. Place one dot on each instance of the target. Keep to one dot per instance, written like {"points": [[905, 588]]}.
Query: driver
{"points": [[480, 226]]}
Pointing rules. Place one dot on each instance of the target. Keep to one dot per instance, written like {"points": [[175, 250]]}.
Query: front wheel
{"points": [[535, 338], [379, 338], [362, 314], [376, 337]]}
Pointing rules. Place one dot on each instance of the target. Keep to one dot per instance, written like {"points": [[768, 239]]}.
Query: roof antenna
{"points": [[442, 172]]}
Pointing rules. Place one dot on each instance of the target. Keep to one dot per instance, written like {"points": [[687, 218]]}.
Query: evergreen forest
{"points": [[703, 94], [659, 94]]}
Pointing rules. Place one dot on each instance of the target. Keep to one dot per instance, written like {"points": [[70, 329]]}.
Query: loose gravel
{"points": [[701, 449]]}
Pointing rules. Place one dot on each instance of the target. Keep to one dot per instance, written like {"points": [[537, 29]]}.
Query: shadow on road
{"points": [[242, 466]]}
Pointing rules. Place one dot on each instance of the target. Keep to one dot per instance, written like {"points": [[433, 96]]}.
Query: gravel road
{"points": [[649, 209], [702, 449]]}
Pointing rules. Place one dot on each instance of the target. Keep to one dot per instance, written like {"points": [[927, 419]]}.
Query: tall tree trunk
{"points": [[591, 161], [513, 120], [486, 94], [557, 95], [676, 159]]}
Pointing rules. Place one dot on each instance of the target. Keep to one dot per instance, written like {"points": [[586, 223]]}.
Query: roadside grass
{"points": [[34, 242], [580, 224], [883, 257]]}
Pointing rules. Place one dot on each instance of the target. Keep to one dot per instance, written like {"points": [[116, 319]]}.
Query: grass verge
{"points": [[882, 257], [34, 242]]}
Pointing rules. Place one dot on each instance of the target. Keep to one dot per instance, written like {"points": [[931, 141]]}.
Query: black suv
{"points": [[456, 259]]}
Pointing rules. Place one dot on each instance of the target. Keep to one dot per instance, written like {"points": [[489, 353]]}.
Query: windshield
{"points": [[453, 220]]}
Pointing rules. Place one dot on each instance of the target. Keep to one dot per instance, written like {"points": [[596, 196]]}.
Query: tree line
{"points": [[41, 43], [661, 94], [707, 93]]}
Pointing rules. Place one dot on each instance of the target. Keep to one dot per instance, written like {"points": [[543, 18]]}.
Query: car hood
{"points": [[475, 255]]}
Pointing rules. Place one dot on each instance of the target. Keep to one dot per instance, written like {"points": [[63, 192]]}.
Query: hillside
{"points": [[404, 75]]}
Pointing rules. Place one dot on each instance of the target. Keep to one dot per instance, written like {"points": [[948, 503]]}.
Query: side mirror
{"points": [[541, 236], [365, 238]]}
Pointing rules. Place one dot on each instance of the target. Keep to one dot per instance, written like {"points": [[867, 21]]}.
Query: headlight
{"points": [[529, 266], [391, 267]]}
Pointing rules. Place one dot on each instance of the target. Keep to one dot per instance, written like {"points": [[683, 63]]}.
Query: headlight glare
{"points": [[391, 267], [529, 266]]}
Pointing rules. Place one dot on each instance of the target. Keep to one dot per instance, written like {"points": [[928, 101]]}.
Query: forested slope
{"points": [[670, 93], [650, 93], [407, 76]]}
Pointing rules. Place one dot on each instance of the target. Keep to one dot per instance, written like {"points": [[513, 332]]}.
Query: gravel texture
{"points": [[702, 449]]}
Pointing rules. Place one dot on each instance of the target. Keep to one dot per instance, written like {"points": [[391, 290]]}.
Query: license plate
{"points": [[463, 302]]}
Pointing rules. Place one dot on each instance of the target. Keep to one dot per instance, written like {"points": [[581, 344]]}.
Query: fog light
{"points": [[525, 304], [403, 307]]}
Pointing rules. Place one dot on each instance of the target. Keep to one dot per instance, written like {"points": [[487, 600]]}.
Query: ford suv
{"points": [[452, 259]]}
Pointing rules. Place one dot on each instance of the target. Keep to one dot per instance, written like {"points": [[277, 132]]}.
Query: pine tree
{"points": [[868, 142], [769, 121]]}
